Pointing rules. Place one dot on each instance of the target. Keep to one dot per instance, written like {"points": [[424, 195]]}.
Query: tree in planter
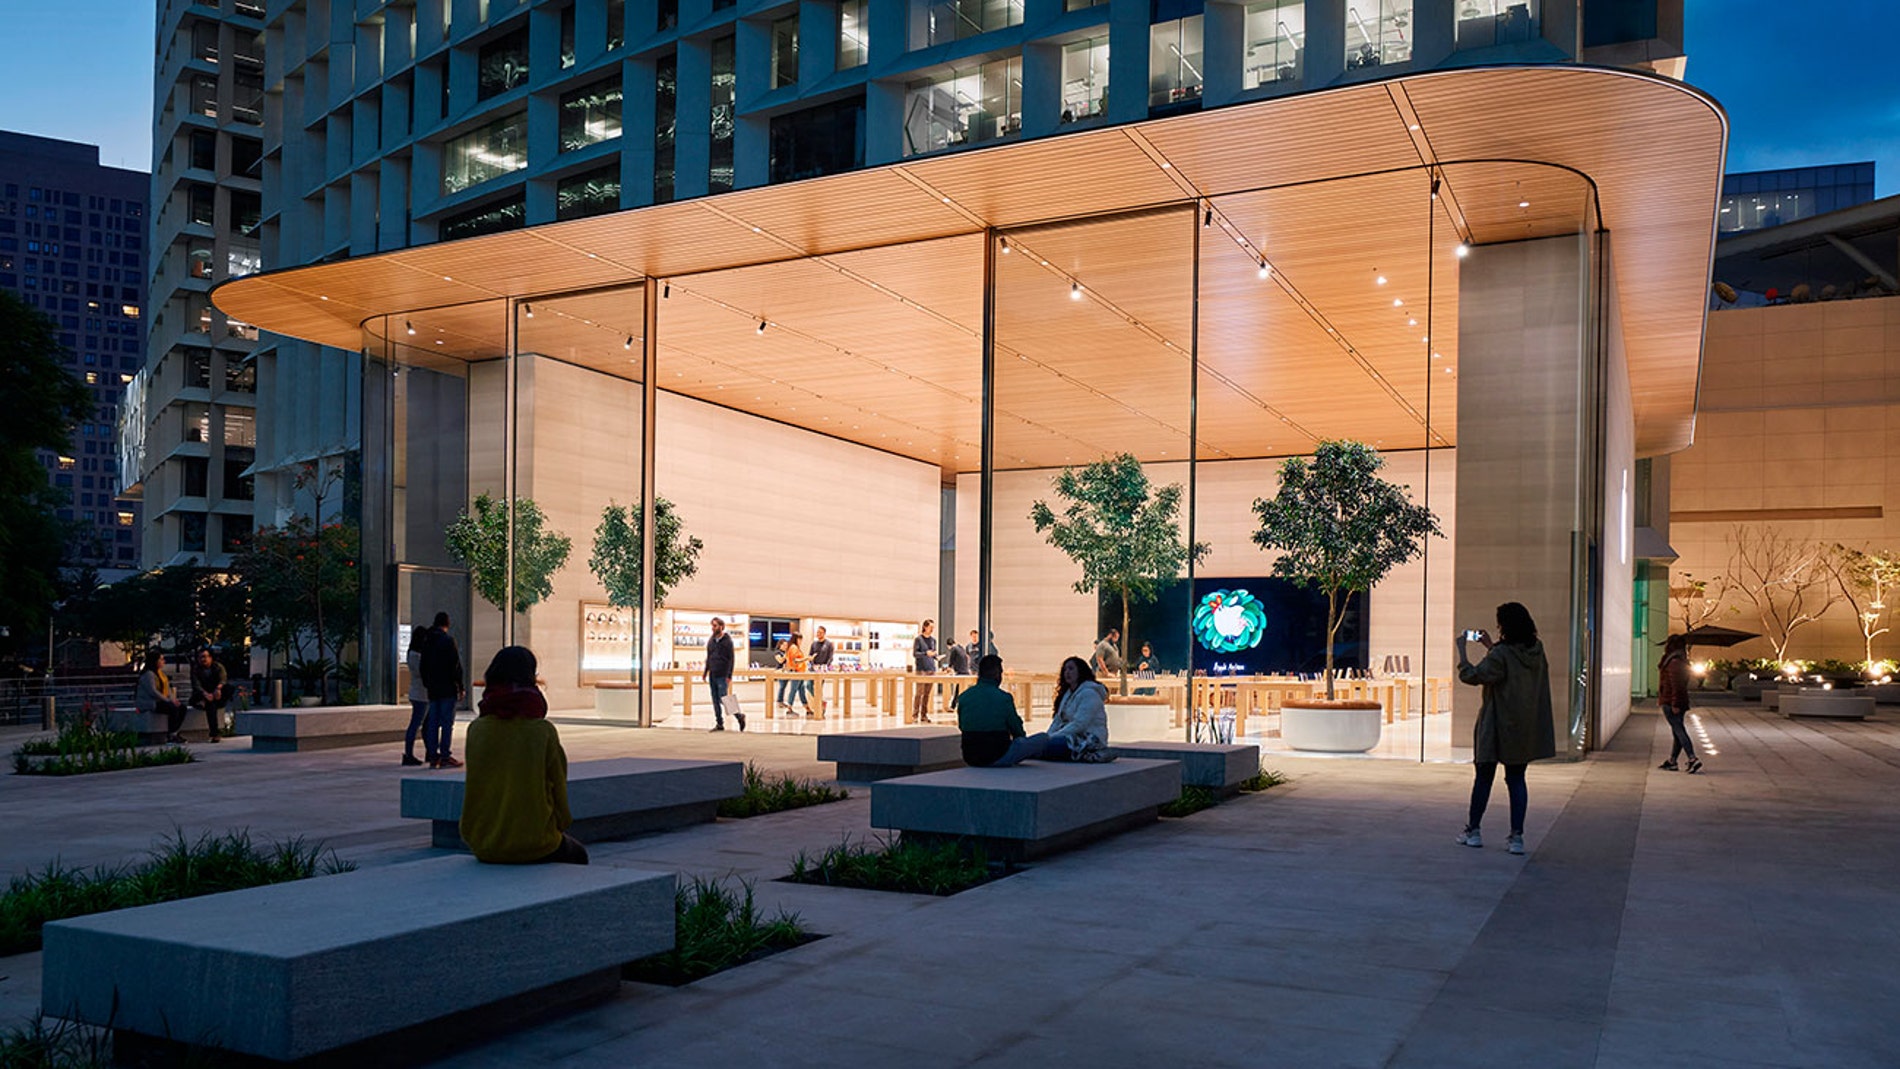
{"points": [[617, 551], [1340, 527], [1865, 578], [479, 539], [1122, 532], [1784, 579]]}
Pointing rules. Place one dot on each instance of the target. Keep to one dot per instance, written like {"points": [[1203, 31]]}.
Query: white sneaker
{"points": [[1515, 844], [1469, 837]]}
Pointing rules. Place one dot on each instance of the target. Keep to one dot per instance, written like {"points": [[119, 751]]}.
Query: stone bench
{"points": [[322, 728], [869, 756], [1216, 766], [151, 727], [329, 964], [611, 799], [1033, 809], [1833, 704]]}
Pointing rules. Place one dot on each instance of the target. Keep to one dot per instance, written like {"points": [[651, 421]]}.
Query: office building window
{"points": [[1079, 5], [594, 192], [204, 150], [1483, 23], [936, 21], [235, 531], [246, 154], [1610, 22], [196, 471], [200, 207], [247, 210], [785, 52], [1085, 79], [240, 428], [616, 24], [1378, 32], [590, 114], [1174, 62], [502, 64], [247, 98], [964, 106], [724, 83], [1276, 43], [204, 95], [485, 152], [501, 215], [191, 532], [828, 139], [240, 258], [666, 71], [669, 15], [854, 35], [239, 378], [198, 371], [198, 258], [204, 41], [567, 36]]}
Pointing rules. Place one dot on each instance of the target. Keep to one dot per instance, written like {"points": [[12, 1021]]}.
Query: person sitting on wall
{"points": [[211, 686], [1079, 729], [986, 714], [514, 805]]}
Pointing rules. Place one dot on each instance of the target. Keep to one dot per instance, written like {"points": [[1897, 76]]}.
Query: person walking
{"points": [[155, 696], [1673, 695], [822, 652], [1514, 722], [795, 661], [718, 675], [1078, 731], [441, 665], [514, 803], [418, 697], [780, 658], [923, 654], [211, 689]]}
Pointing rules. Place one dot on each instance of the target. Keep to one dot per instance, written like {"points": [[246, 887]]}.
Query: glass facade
{"points": [[725, 83], [1276, 43], [665, 111], [1484, 23], [502, 64], [490, 151], [854, 33], [592, 192], [964, 106], [935, 22], [785, 52], [1378, 33], [1084, 79], [590, 115], [1174, 62], [1753, 200]]}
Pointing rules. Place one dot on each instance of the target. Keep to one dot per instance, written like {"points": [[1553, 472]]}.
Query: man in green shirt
{"points": [[986, 714]]}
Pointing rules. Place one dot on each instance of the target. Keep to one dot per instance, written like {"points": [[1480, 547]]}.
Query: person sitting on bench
{"points": [[986, 714], [1079, 730], [514, 806], [155, 695]]}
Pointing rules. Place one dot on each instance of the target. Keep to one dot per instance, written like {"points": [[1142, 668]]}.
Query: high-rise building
{"points": [[72, 244], [190, 433], [1757, 200]]}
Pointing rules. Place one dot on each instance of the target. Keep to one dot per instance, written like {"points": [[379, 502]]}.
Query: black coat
{"points": [[441, 666], [719, 656]]}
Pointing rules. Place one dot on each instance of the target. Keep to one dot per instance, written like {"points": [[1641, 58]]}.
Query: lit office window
{"points": [[1276, 43], [484, 153], [785, 52], [1174, 62], [1378, 32], [594, 192], [1085, 79], [204, 95], [724, 81], [937, 21], [616, 24], [964, 106], [590, 114], [854, 40], [502, 64], [567, 37], [1483, 23], [665, 108], [242, 258]]}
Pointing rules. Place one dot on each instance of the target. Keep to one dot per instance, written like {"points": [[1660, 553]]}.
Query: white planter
{"points": [[1339, 728], [309, 700], [1139, 718]]}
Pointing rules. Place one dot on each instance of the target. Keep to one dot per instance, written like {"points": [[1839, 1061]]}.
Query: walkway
{"points": [[1745, 916]]}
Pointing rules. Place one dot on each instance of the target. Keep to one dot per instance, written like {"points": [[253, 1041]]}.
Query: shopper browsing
{"points": [[718, 675], [514, 805], [923, 654], [795, 661]]}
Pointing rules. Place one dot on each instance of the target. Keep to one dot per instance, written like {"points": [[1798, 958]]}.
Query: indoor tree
{"points": [[616, 560], [1340, 527], [1121, 531], [479, 539]]}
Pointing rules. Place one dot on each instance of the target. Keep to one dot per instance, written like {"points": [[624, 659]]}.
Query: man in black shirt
{"points": [[821, 654], [442, 678], [718, 674]]}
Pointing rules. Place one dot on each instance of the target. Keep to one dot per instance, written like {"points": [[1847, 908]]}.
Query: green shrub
{"points": [[1264, 779], [1192, 800], [44, 1043], [715, 929], [177, 868], [905, 866], [776, 795], [84, 745]]}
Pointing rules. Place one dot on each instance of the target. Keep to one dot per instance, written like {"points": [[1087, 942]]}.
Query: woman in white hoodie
{"points": [[1079, 730]]}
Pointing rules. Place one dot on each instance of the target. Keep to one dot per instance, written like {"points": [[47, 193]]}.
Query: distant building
{"points": [[72, 244], [1756, 200]]}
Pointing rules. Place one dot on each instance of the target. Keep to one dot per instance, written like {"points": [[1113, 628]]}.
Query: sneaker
{"points": [[1668, 766], [1469, 837], [448, 762], [409, 760], [740, 717], [1515, 844], [1695, 766]]}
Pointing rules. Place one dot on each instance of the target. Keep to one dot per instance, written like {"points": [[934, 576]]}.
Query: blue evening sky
{"points": [[1803, 84]]}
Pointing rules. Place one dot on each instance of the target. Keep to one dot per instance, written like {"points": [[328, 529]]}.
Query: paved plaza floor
{"points": [[1746, 916]]}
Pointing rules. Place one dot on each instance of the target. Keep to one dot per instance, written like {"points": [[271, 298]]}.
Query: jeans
{"points": [[214, 717], [418, 716], [173, 712], [439, 727], [719, 685], [800, 694], [1486, 772], [1041, 746], [781, 690], [1680, 731]]}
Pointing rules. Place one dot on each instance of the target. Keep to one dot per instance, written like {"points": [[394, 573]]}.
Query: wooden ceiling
{"points": [[870, 284]]}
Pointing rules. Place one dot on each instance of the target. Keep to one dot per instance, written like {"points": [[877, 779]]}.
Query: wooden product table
{"points": [[1262, 695]]}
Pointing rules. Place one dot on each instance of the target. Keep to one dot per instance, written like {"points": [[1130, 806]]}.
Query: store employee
{"points": [[821, 651]]}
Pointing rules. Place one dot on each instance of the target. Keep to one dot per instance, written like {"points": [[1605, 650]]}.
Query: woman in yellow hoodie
{"points": [[514, 804]]}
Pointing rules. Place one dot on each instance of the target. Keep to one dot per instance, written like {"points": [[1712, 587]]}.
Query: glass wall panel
{"points": [[1085, 79], [937, 21], [854, 33], [1483, 23], [502, 64], [964, 106], [1174, 62], [665, 110], [592, 192], [725, 80], [591, 114], [785, 52], [498, 148], [1378, 32], [1276, 43]]}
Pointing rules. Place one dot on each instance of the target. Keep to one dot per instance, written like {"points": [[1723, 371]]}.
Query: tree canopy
{"points": [[479, 539], [617, 552]]}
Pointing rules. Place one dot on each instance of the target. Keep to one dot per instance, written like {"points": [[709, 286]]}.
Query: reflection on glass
{"points": [[616, 24], [588, 193], [1276, 43], [854, 40], [827, 139], [1483, 23], [1378, 32], [665, 107], [724, 83], [1174, 62], [964, 106], [1085, 79], [785, 52], [590, 114], [506, 214], [937, 21], [485, 152], [502, 64], [567, 37]]}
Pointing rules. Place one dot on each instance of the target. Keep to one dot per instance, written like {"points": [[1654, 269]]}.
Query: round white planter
{"points": [[1131, 718], [1331, 727]]}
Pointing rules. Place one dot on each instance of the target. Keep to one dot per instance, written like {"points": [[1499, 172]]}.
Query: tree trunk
{"points": [[1124, 642], [1332, 626]]}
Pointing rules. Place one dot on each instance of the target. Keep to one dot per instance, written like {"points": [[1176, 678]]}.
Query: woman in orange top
{"points": [[796, 661]]}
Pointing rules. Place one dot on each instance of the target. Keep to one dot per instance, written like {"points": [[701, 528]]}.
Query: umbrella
{"points": [[1710, 635]]}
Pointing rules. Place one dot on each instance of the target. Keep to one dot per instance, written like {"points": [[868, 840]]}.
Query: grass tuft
{"points": [[84, 745], [714, 929], [905, 866], [177, 868], [1192, 800], [49, 1043], [1265, 779], [777, 794]]}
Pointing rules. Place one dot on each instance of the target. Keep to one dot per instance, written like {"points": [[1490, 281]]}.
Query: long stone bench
{"points": [[151, 727], [1033, 809], [1216, 766], [1832, 704], [403, 955], [322, 727], [869, 756], [609, 799]]}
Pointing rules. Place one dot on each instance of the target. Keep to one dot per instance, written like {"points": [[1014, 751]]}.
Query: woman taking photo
{"points": [[1079, 729], [1514, 723]]}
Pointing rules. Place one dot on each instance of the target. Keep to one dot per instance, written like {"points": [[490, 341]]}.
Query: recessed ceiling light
{"points": [[1380, 280], [1523, 204], [1462, 250], [1398, 302]]}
